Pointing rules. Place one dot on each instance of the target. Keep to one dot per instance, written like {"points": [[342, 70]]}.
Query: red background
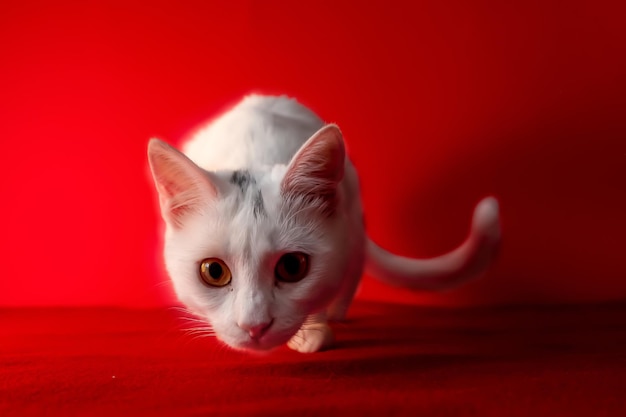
{"points": [[441, 102]]}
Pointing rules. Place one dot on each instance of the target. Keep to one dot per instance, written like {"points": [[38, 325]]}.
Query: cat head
{"points": [[254, 253]]}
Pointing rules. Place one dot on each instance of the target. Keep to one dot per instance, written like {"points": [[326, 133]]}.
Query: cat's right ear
{"points": [[183, 187], [317, 168]]}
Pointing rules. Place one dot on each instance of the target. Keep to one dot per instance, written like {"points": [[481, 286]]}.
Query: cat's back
{"points": [[257, 133]]}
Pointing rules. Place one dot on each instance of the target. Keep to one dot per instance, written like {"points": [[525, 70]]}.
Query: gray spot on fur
{"points": [[247, 185], [242, 179], [259, 208]]}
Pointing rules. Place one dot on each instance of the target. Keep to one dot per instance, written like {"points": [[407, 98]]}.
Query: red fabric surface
{"points": [[389, 360]]}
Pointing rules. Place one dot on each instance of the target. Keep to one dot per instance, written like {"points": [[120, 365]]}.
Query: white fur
{"points": [[264, 136]]}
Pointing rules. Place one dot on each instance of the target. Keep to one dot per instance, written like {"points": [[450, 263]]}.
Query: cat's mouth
{"points": [[270, 339], [267, 342]]}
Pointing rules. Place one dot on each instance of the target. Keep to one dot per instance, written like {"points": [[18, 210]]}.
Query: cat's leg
{"points": [[338, 309], [314, 335]]}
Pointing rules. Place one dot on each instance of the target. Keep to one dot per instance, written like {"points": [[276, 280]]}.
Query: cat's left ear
{"points": [[317, 168], [183, 187]]}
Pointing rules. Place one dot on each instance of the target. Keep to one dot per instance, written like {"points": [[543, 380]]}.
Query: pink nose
{"points": [[257, 330]]}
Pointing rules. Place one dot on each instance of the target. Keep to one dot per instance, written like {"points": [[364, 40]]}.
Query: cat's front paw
{"points": [[312, 337]]}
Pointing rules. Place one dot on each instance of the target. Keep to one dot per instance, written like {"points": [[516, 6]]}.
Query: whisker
{"points": [[199, 336], [199, 331], [162, 283], [194, 320]]}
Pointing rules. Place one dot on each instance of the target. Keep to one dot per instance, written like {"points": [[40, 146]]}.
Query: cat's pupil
{"points": [[215, 270], [292, 264]]}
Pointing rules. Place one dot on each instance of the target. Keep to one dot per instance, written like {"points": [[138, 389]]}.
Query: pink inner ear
{"points": [[318, 167], [183, 187]]}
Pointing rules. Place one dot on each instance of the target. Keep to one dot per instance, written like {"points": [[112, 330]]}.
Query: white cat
{"points": [[264, 235]]}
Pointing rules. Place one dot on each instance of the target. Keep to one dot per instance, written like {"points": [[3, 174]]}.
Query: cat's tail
{"points": [[467, 261]]}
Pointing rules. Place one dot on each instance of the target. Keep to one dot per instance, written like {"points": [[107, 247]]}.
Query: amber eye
{"points": [[214, 272], [292, 267]]}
